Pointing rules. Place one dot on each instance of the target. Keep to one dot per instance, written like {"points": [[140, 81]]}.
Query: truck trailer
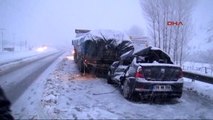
{"points": [[96, 50]]}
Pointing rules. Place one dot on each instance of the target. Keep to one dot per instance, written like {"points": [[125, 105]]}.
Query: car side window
{"points": [[126, 62], [140, 59]]}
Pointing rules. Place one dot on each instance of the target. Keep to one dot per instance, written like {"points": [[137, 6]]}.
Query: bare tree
{"points": [[151, 13], [205, 56], [171, 39], [210, 32], [165, 29]]}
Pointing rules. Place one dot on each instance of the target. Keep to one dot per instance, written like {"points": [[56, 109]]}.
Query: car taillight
{"points": [[139, 73]]}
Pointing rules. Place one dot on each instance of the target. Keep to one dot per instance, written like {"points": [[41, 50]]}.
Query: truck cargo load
{"points": [[98, 49]]}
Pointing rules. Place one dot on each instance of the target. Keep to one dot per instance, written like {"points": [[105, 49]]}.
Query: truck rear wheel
{"points": [[109, 80], [81, 66], [75, 57]]}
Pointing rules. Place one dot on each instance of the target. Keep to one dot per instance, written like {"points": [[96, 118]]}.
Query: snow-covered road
{"points": [[16, 80], [63, 93], [8, 57]]}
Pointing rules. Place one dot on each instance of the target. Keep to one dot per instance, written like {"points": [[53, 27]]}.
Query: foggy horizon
{"points": [[52, 22]]}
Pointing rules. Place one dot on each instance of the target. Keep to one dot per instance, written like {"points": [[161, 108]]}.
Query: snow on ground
{"points": [[201, 88], [28, 105], [70, 95], [65, 93], [6, 57], [62, 92], [10, 60]]}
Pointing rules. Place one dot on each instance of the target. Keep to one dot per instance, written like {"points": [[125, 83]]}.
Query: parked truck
{"points": [[96, 50]]}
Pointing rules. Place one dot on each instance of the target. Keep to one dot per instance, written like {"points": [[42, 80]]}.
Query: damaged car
{"points": [[151, 73], [118, 68]]}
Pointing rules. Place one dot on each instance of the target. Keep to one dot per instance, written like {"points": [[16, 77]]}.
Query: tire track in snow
{"points": [[76, 100]]}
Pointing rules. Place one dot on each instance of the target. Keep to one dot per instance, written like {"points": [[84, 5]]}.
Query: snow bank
{"points": [[69, 95], [200, 88], [66, 94], [29, 104], [6, 57], [22, 59]]}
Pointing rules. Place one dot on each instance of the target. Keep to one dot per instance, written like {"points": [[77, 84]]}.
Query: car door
{"points": [[122, 68], [113, 68], [119, 72]]}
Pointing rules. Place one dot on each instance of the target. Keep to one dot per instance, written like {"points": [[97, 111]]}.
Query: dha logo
{"points": [[174, 23]]}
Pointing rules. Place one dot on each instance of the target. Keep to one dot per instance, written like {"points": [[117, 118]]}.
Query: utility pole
{"points": [[25, 44], [2, 37], [14, 42]]}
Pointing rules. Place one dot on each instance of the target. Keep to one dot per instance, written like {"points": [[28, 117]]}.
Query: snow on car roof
{"points": [[158, 64], [151, 48], [155, 48]]}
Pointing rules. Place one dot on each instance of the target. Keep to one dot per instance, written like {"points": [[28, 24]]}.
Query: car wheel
{"points": [[127, 90], [109, 80]]}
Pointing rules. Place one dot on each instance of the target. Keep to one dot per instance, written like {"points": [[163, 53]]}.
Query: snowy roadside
{"points": [[10, 56], [200, 88], [23, 59], [61, 92], [28, 105], [69, 95], [7, 57]]}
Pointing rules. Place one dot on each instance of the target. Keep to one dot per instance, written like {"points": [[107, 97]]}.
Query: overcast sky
{"points": [[53, 21]]}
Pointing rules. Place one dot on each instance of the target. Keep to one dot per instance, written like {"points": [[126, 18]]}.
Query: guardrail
{"points": [[207, 69], [199, 77]]}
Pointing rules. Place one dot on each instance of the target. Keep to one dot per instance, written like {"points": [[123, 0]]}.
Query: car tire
{"points": [[127, 90], [109, 80]]}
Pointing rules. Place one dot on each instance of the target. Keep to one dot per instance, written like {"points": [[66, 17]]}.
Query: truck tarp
{"points": [[104, 44]]}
